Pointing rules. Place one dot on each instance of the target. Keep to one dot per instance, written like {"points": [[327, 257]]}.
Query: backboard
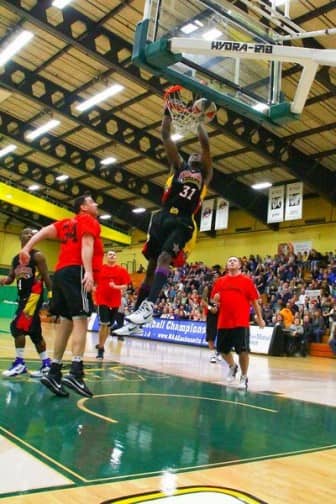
{"points": [[234, 59]]}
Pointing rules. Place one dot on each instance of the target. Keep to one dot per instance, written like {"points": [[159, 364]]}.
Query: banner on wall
{"points": [[222, 214], [206, 215], [294, 194], [276, 203], [302, 246]]}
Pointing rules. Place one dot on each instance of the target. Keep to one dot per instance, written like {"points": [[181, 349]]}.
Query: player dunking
{"points": [[173, 227]]}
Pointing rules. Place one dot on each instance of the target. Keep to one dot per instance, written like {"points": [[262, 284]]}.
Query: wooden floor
{"points": [[306, 475]]}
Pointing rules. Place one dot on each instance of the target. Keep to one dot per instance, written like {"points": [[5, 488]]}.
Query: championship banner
{"points": [[176, 331], [206, 215], [294, 194], [276, 196], [222, 214]]}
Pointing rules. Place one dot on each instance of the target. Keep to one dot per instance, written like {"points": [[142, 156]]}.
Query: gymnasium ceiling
{"points": [[76, 52]]}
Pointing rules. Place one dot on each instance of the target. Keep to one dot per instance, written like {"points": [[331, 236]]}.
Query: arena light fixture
{"points": [[99, 97], [108, 161], [43, 129], [176, 136], [189, 28], [212, 34], [261, 185], [105, 217], [34, 187], [60, 4], [62, 178], [139, 210], [15, 46], [7, 150]]}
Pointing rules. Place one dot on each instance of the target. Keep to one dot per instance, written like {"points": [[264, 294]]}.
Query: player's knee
{"points": [[38, 340], [14, 330]]}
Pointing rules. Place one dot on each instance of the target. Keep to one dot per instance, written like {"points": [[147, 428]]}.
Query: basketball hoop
{"points": [[183, 118]]}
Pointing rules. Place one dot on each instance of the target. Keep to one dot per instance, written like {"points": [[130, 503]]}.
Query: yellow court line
{"points": [[81, 406], [246, 405], [42, 455], [192, 490]]}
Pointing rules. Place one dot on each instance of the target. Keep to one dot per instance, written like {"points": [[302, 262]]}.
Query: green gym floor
{"points": [[142, 422], [171, 421]]}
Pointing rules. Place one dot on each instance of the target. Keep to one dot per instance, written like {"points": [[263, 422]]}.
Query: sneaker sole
{"points": [[79, 390], [139, 324], [38, 374], [13, 375], [53, 389]]}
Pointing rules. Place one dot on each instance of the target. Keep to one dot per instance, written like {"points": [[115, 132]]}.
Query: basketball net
{"points": [[183, 119]]}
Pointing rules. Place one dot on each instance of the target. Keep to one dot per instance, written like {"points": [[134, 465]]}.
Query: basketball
{"points": [[204, 109]]}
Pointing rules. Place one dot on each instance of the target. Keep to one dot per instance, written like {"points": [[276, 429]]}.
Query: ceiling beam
{"points": [[37, 14]]}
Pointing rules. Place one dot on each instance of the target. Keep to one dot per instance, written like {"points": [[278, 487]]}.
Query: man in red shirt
{"points": [[79, 262], [234, 293], [113, 281]]}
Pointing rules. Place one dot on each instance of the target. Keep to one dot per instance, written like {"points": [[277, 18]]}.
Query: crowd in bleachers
{"points": [[298, 292]]}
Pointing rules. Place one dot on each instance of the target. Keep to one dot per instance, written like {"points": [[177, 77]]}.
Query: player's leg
{"points": [[174, 233], [104, 325], [224, 346], [242, 347]]}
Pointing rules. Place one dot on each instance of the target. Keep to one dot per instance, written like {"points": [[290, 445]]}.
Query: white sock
{"points": [[19, 352]]}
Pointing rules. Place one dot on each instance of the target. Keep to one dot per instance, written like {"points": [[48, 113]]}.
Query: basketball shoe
{"points": [[18, 367], [126, 330], [44, 369], [243, 383], [213, 358], [53, 380], [100, 353], [143, 315], [74, 379], [232, 373]]}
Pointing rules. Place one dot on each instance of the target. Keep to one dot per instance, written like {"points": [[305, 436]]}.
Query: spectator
{"points": [[318, 326], [287, 315], [294, 336]]}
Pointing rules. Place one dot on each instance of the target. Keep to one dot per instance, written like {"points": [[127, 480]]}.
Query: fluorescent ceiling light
{"points": [[139, 210], [189, 28], [108, 160], [176, 136], [7, 150], [105, 216], [33, 187], [60, 3], [15, 46], [61, 178], [262, 185], [107, 93], [212, 34], [43, 129], [261, 107], [199, 23]]}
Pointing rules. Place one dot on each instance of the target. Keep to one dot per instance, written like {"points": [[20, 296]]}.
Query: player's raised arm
{"points": [[205, 152], [174, 158]]}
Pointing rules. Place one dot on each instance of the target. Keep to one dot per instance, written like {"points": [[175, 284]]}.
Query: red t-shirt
{"points": [[70, 233], [106, 295], [236, 294]]}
